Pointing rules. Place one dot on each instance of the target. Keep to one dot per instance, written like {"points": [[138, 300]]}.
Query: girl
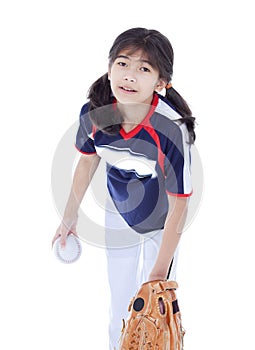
{"points": [[144, 140]]}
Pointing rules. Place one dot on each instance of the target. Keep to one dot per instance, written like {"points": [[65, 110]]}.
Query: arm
{"points": [[84, 172], [178, 207]]}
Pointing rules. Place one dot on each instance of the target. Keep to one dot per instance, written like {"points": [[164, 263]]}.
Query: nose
{"points": [[129, 76]]}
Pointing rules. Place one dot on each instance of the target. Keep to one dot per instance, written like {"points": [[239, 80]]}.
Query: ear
{"points": [[161, 84]]}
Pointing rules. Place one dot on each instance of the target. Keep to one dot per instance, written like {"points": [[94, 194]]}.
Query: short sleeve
{"points": [[177, 163], [84, 138]]}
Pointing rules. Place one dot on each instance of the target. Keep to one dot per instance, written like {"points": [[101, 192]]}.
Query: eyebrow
{"points": [[128, 58]]}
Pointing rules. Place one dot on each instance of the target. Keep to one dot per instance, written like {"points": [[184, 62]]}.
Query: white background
{"points": [[51, 51]]}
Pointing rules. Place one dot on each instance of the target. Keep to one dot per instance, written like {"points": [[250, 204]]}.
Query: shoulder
{"points": [[84, 109], [85, 121], [166, 120], [166, 110]]}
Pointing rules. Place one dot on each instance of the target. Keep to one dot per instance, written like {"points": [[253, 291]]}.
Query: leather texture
{"points": [[154, 322]]}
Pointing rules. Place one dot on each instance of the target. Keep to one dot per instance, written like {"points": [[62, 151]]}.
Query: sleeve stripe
{"points": [[179, 194], [88, 153]]}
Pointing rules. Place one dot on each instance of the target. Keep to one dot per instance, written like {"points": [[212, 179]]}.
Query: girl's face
{"points": [[133, 79]]}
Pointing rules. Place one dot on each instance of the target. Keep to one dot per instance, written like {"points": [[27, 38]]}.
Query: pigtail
{"points": [[100, 92], [101, 111], [181, 107]]}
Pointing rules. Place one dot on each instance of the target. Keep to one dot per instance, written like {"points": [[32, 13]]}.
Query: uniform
{"points": [[143, 166]]}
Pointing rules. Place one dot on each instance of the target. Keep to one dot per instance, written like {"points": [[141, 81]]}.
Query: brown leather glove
{"points": [[154, 321]]}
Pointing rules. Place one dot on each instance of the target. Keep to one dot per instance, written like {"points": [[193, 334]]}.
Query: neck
{"points": [[134, 112]]}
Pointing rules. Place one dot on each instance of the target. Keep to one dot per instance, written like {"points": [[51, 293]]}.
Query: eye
{"points": [[122, 64], [145, 69]]}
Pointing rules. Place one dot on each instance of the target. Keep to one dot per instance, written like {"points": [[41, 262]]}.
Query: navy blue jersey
{"points": [[143, 165]]}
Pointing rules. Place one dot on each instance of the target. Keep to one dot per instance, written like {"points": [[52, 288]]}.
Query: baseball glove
{"points": [[154, 322]]}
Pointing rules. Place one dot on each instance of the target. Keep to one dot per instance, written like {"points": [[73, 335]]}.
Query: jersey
{"points": [[144, 165]]}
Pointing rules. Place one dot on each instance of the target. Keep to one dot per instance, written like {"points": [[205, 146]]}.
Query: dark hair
{"points": [[160, 53]]}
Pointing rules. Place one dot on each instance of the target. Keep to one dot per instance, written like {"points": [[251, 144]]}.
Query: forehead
{"points": [[136, 54]]}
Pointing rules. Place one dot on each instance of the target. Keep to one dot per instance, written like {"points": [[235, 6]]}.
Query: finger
{"points": [[61, 232], [63, 239], [57, 235], [74, 232], [63, 242]]}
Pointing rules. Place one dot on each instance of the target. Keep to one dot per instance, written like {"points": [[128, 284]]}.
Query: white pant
{"points": [[130, 258]]}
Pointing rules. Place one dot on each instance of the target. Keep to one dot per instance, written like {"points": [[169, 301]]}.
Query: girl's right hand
{"points": [[63, 231]]}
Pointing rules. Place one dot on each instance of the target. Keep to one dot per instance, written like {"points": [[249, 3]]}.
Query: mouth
{"points": [[127, 89]]}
